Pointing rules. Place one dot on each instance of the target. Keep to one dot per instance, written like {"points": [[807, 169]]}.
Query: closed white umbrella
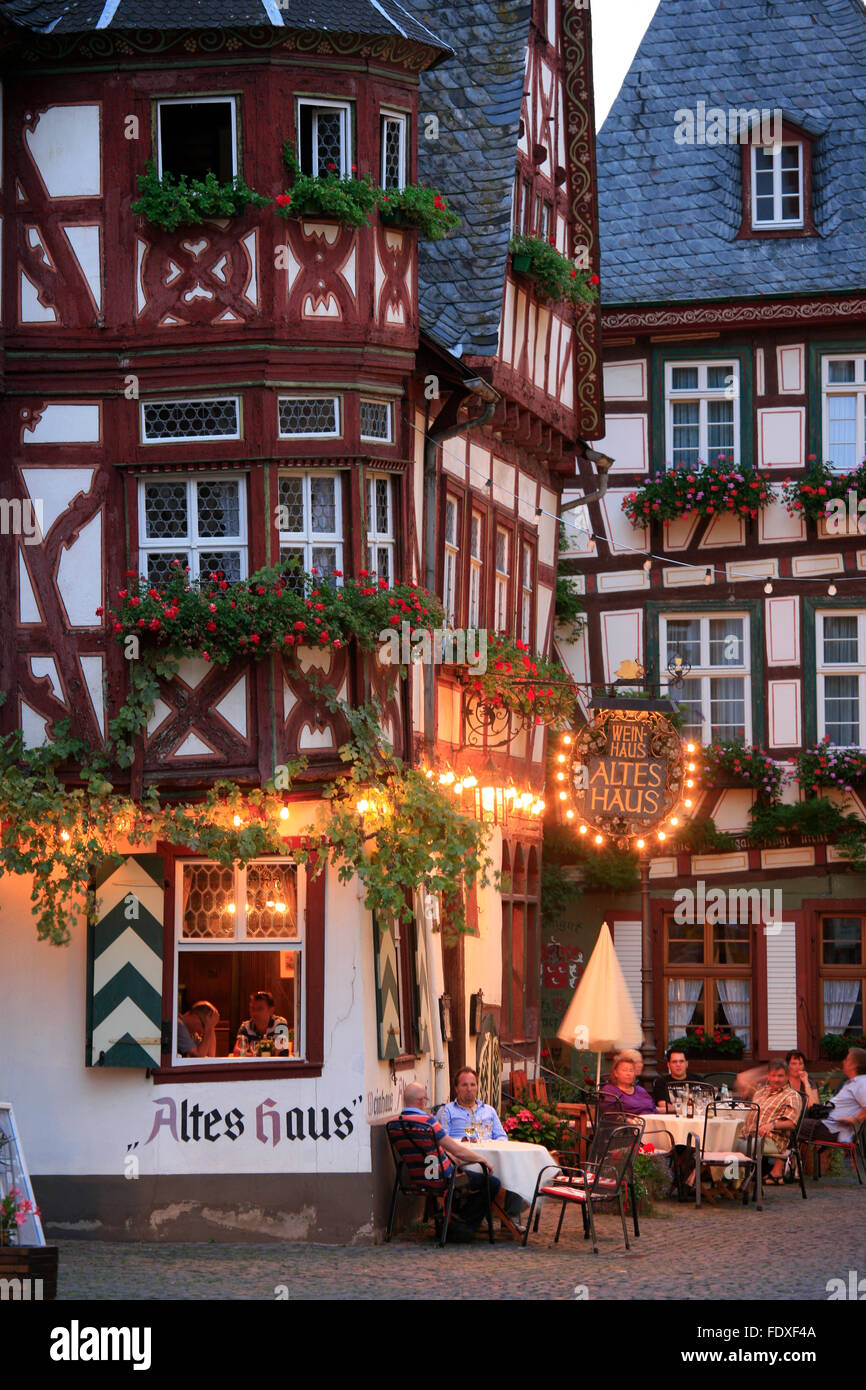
{"points": [[601, 1015]]}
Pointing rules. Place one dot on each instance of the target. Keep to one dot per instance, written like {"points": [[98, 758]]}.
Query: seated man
{"points": [[848, 1106], [466, 1109], [263, 1024], [677, 1075], [196, 1030], [473, 1209], [780, 1111]]}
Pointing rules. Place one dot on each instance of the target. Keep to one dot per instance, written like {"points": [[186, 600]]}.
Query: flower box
{"points": [[36, 1263], [520, 264]]}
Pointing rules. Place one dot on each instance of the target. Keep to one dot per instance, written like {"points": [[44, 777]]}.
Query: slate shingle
{"points": [[669, 214]]}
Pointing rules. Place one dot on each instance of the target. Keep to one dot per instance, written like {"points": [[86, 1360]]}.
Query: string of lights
{"points": [[711, 573]]}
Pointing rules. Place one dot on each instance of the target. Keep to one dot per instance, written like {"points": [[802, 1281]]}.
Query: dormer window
{"points": [[777, 186]]}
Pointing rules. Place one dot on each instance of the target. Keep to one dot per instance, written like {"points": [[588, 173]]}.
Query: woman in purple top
{"points": [[621, 1086]]}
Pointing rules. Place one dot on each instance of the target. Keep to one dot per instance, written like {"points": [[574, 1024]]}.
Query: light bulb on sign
{"points": [[599, 839], [567, 740], [560, 757], [560, 776], [688, 802], [583, 830], [662, 835], [563, 796], [64, 834], [640, 844], [675, 820], [690, 748], [569, 814]]}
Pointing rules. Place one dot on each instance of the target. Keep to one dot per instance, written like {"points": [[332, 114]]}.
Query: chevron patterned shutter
{"points": [[387, 990], [124, 964], [422, 1033]]}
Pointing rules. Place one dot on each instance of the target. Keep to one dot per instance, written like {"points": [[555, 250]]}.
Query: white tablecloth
{"points": [[722, 1129], [516, 1165]]}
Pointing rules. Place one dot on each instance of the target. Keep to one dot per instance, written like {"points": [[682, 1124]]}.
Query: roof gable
{"points": [[669, 214]]}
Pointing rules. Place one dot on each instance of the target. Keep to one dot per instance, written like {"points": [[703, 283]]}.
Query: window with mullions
{"points": [[701, 411], [844, 411], [240, 930], [324, 137], [502, 580], [716, 693], [841, 666], [198, 522], [476, 569], [451, 571], [394, 145], [843, 975], [216, 417], [526, 591], [309, 417], [309, 520], [708, 978], [197, 136], [380, 526], [376, 421], [777, 186]]}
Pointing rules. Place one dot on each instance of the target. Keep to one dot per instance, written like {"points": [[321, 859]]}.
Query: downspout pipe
{"points": [[475, 386], [602, 464]]}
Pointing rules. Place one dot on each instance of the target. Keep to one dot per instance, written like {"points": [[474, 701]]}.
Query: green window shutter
{"points": [[124, 964], [387, 991], [421, 990]]}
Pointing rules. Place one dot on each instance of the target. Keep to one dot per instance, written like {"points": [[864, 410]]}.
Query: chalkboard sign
{"points": [[13, 1173]]}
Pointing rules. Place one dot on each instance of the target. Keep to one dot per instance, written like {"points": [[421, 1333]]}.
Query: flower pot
{"points": [[520, 264], [36, 1263]]}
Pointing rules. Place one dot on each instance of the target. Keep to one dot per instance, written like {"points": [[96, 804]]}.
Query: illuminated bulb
{"points": [[510, 792], [569, 815], [447, 778], [583, 830], [662, 835], [675, 820], [232, 907], [567, 740], [541, 804], [560, 776], [690, 781], [690, 748], [526, 800], [692, 767], [471, 781], [688, 802], [599, 839], [270, 903], [560, 757], [832, 590], [284, 813], [458, 788], [362, 805], [639, 844], [237, 822], [64, 834], [563, 796], [281, 907], [429, 772], [708, 577], [768, 588]]}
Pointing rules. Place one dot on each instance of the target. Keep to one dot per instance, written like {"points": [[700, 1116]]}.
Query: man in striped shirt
{"points": [[473, 1208]]}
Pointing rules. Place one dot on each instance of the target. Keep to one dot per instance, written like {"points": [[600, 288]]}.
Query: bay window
{"points": [[199, 522], [324, 137], [309, 520]]}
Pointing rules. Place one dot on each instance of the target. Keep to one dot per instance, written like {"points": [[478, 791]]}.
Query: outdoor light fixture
{"points": [[832, 590], [768, 588], [708, 577], [599, 839], [237, 822], [470, 781], [640, 844], [362, 805], [284, 813]]}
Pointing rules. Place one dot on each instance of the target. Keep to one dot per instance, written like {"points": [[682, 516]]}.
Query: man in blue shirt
{"points": [[467, 1110]]}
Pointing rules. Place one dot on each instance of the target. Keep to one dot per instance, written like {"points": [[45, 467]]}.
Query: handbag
{"points": [[818, 1112]]}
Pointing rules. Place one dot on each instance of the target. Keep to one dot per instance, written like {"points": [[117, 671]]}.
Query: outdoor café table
{"points": [[517, 1166], [722, 1130]]}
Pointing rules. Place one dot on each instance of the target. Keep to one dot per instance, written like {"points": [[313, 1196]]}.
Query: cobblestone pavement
{"points": [[787, 1251]]}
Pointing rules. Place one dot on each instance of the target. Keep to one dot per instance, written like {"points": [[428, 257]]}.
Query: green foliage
{"points": [[608, 869], [556, 891], [836, 1045], [710, 489], [171, 202], [701, 834], [651, 1175], [701, 1044], [570, 613], [416, 205], [554, 274], [521, 681], [818, 816], [825, 766], [351, 200], [529, 1123], [747, 763], [811, 493], [276, 609]]}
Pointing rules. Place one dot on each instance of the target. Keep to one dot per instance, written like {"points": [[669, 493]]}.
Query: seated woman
{"points": [[798, 1077], [621, 1086]]}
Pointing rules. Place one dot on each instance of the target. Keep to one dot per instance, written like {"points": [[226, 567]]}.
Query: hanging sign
{"points": [[624, 772]]}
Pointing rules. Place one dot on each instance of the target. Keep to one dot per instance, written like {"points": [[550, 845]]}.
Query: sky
{"points": [[617, 29]]}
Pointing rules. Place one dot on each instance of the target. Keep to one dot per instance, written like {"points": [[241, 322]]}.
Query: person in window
{"points": [[798, 1077], [196, 1030], [848, 1106], [621, 1086], [263, 1025]]}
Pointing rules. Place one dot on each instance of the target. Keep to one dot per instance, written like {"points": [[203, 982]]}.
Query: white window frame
{"points": [[476, 571], [195, 544], [194, 100], [778, 220], [189, 438], [380, 540], [703, 394], [451, 563], [825, 668], [389, 407], [308, 539], [313, 434], [526, 590], [705, 672], [228, 945], [399, 118], [856, 388], [328, 104], [502, 580]]}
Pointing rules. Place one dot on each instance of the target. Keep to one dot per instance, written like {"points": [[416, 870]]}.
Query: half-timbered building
{"points": [[734, 325], [228, 395]]}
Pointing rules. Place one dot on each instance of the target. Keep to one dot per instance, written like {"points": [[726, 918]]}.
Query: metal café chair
{"points": [[722, 1158], [792, 1157], [419, 1161], [614, 1117], [600, 1180], [855, 1148]]}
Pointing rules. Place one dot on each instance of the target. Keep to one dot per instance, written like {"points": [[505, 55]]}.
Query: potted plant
{"points": [[715, 489], [721, 1042], [348, 200], [555, 276], [822, 492], [835, 1045], [747, 765], [31, 1262], [420, 207], [171, 202], [842, 768], [529, 1122]]}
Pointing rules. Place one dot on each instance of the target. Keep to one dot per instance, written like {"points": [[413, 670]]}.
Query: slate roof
{"points": [[338, 16], [476, 97], [669, 214]]}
